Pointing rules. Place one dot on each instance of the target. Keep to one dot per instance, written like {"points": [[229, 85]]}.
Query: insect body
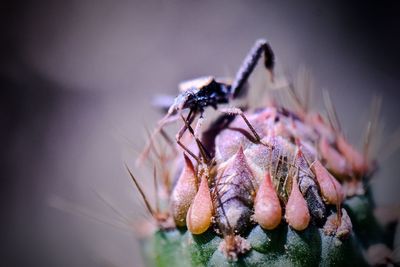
{"points": [[196, 95], [199, 93], [208, 91]]}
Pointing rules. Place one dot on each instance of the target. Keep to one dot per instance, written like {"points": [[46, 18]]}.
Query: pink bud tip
{"points": [[183, 193], [200, 212], [267, 209], [355, 158], [331, 189], [297, 214], [335, 161]]}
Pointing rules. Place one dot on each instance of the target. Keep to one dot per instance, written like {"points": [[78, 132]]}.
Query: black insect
{"points": [[198, 94]]}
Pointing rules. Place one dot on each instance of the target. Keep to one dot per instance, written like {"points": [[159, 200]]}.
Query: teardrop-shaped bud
{"points": [[183, 193], [297, 214], [267, 209], [335, 161], [355, 158], [199, 216], [331, 189]]}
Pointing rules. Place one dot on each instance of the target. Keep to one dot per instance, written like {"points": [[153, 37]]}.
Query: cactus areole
{"points": [[266, 187]]}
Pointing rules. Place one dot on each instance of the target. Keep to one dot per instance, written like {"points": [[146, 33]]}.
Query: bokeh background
{"points": [[76, 83]]}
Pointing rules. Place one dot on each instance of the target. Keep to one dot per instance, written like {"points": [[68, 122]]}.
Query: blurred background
{"points": [[77, 79]]}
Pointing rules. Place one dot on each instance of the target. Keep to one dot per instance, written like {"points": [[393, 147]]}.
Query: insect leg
{"points": [[203, 151], [198, 125], [249, 64], [187, 121], [238, 111]]}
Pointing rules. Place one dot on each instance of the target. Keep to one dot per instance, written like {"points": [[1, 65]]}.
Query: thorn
{"points": [[146, 202]]}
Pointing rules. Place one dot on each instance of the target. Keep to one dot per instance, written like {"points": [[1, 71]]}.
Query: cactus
{"points": [[270, 187]]}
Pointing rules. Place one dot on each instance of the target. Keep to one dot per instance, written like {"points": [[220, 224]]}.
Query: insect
{"points": [[198, 94]]}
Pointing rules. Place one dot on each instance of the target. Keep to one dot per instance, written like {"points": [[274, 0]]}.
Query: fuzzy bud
{"points": [[267, 209], [184, 193], [200, 212], [297, 214]]}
